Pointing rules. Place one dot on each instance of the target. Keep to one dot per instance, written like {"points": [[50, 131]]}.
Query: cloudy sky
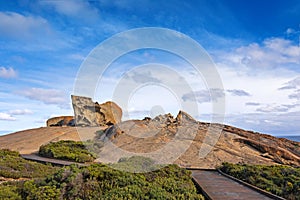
{"points": [[254, 45]]}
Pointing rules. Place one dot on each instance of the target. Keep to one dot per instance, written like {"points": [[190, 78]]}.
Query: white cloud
{"points": [[128, 4], [79, 9], [204, 96], [240, 93], [273, 53], [261, 69], [290, 31], [276, 108], [18, 26], [295, 95], [27, 32], [144, 77], [7, 117], [7, 72], [279, 124], [252, 104], [77, 56], [47, 96], [85, 13], [292, 84], [20, 112]]}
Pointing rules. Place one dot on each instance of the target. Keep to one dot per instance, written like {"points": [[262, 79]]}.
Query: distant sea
{"points": [[5, 132], [291, 137]]}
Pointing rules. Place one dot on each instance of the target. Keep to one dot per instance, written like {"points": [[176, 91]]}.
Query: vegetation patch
{"points": [[68, 150], [8, 192], [102, 182], [136, 164], [12, 165], [14, 170], [99, 181], [96, 181], [281, 180]]}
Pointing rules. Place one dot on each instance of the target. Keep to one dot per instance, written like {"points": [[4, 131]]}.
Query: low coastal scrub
{"points": [[102, 182], [14, 170], [136, 164], [281, 180], [68, 150], [99, 181], [12, 165]]}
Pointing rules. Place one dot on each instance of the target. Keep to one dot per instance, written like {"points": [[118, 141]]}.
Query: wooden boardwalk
{"points": [[217, 186], [40, 159]]}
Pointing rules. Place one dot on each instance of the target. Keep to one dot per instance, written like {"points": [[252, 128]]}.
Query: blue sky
{"points": [[254, 44]]}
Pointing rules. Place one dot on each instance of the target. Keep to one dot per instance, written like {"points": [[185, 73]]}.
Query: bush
{"points": [[67, 150], [31, 190], [102, 182], [9, 192], [96, 181], [14, 166], [135, 164], [277, 179]]}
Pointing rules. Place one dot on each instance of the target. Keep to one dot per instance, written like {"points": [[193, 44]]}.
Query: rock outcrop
{"points": [[149, 127], [231, 144], [88, 113], [61, 121]]}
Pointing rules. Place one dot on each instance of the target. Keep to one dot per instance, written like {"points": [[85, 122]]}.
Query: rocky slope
{"points": [[200, 144]]}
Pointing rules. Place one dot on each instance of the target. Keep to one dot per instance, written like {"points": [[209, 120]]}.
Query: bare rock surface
{"points": [[230, 144], [29, 141], [89, 113]]}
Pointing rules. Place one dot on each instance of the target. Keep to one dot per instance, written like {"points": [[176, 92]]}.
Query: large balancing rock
{"points": [[88, 113]]}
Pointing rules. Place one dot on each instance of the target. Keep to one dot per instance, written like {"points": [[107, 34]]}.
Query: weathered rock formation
{"points": [[61, 121], [88, 113], [229, 145], [148, 128]]}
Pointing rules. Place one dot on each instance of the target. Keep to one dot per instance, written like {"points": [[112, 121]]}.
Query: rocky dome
{"points": [[222, 143]]}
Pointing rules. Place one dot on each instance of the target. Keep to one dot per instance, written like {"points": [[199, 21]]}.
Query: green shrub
{"points": [[14, 166], [99, 181], [96, 181], [31, 190], [67, 150], [136, 164], [277, 179], [9, 192]]}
